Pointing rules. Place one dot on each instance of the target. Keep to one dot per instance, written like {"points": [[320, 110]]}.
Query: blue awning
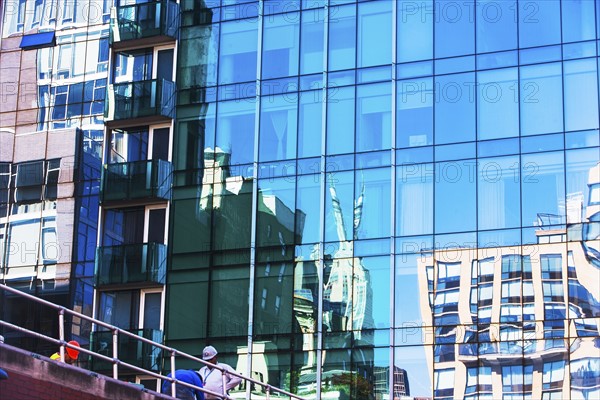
{"points": [[37, 40]]}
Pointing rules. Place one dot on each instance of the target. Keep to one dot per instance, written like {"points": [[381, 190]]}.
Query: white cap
{"points": [[208, 353]]}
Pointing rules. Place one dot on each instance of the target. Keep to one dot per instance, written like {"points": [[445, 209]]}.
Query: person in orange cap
{"points": [[71, 354]]}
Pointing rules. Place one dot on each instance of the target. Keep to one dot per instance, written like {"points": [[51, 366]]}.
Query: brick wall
{"points": [[31, 376]]}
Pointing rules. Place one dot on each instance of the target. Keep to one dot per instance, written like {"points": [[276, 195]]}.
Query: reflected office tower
{"points": [[510, 319]]}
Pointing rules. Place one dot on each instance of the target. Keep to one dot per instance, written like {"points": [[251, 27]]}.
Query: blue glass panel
{"points": [[539, 22], [342, 37], [579, 50], [37, 41], [310, 115], [340, 128], [311, 82], [575, 140], [372, 217], [497, 104], [374, 39], [542, 173], [497, 60], [414, 102], [455, 108], [540, 55], [414, 70], [581, 94], [541, 99], [278, 86], [311, 42], [341, 78], [339, 206], [374, 74], [239, 40], [578, 22], [414, 155], [278, 127], [308, 210], [455, 151], [415, 20], [455, 194], [454, 65], [454, 28], [414, 181], [536, 144], [235, 130], [498, 193], [373, 117], [496, 25], [281, 35], [498, 147]]}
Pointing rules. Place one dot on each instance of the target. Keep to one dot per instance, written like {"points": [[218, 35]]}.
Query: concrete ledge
{"points": [[31, 376]]}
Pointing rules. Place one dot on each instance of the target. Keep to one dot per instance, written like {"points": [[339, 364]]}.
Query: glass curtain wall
{"points": [[380, 199]]}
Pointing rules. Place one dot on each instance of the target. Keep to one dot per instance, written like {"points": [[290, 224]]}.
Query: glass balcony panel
{"points": [[130, 350], [150, 99], [147, 179], [133, 263], [145, 20]]}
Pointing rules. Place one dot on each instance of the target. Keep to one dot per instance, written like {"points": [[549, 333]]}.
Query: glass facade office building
{"points": [[355, 199]]}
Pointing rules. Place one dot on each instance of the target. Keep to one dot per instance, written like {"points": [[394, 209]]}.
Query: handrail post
{"points": [[115, 340], [61, 333], [173, 373], [268, 392], [225, 396]]}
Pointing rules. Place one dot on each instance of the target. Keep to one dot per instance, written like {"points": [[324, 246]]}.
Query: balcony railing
{"points": [[148, 180], [132, 263], [130, 350], [131, 103], [156, 21]]}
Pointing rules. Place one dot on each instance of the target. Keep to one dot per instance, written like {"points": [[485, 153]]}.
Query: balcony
{"points": [[144, 24], [139, 103], [130, 350], [131, 264], [147, 181]]}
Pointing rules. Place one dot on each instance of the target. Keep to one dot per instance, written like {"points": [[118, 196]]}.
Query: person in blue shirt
{"points": [[184, 392]]}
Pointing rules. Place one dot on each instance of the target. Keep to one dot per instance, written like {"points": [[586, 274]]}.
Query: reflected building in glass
{"points": [[348, 199]]}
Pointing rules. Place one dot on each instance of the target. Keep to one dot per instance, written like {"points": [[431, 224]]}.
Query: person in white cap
{"points": [[213, 378]]}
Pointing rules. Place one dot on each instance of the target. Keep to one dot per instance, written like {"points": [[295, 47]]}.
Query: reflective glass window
{"points": [[455, 108], [498, 187], [539, 22], [374, 39], [454, 28], [342, 37], [541, 99], [581, 95], [497, 104], [278, 127], [197, 56], [415, 20], [237, 57], [372, 203], [414, 181], [340, 124], [542, 173], [310, 116], [455, 194], [414, 125], [235, 130], [374, 117], [496, 25], [578, 22], [339, 207], [281, 35], [311, 42]]}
